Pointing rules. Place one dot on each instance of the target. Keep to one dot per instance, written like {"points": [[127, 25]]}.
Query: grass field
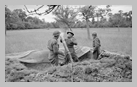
{"points": [[111, 39]]}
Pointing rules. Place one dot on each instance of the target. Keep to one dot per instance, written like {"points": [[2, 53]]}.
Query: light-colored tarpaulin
{"points": [[37, 56]]}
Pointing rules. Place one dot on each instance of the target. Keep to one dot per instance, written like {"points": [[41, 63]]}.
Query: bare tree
{"points": [[47, 11]]}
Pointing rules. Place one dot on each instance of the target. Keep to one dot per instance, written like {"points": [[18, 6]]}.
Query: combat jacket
{"points": [[71, 42], [96, 43], [53, 45]]}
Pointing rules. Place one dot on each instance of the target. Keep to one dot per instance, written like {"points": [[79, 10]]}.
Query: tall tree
{"points": [[22, 14], [7, 18], [66, 16], [103, 11], [128, 18], [117, 20], [87, 13], [130, 15]]}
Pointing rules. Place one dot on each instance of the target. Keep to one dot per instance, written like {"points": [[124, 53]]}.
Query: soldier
{"points": [[70, 41], [96, 45], [53, 46]]}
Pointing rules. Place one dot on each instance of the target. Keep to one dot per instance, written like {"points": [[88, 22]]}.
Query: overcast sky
{"points": [[50, 17]]}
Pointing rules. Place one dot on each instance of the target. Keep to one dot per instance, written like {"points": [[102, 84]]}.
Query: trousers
{"points": [[96, 53]]}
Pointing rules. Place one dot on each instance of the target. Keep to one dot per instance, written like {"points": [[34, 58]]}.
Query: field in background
{"points": [[112, 39]]}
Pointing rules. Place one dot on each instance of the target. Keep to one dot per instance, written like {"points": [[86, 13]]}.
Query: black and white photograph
{"points": [[68, 43]]}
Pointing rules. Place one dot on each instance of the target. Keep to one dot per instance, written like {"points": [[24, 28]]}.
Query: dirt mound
{"points": [[112, 68]]}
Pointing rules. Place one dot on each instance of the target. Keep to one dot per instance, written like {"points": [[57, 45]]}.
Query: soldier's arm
{"points": [[74, 41], [96, 44], [49, 45], [56, 48], [61, 40]]}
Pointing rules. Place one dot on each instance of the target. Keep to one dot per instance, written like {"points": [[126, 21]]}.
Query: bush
{"points": [[112, 68]]}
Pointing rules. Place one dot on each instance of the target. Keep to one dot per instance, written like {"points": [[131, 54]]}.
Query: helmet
{"points": [[94, 34], [70, 32], [56, 33]]}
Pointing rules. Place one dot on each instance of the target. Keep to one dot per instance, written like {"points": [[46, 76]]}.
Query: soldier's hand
{"points": [[62, 53], [75, 43], [93, 51], [60, 40]]}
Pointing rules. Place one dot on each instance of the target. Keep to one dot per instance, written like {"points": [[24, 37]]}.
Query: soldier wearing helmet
{"points": [[56, 33], [71, 41], [53, 46], [96, 45]]}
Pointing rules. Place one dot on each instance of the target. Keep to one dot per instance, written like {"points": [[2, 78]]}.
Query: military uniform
{"points": [[53, 46], [70, 44], [96, 47]]}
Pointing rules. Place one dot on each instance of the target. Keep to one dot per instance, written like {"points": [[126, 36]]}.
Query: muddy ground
{"points": [[112, 68]]}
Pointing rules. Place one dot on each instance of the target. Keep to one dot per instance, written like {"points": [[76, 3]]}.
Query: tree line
{"points": [[18, 19]]}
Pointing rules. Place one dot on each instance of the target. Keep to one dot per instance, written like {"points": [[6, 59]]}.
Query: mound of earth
{"points": [[109, 68]]}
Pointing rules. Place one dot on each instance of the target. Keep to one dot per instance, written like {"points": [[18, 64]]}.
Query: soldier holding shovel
{"points": [[70, 42]]}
